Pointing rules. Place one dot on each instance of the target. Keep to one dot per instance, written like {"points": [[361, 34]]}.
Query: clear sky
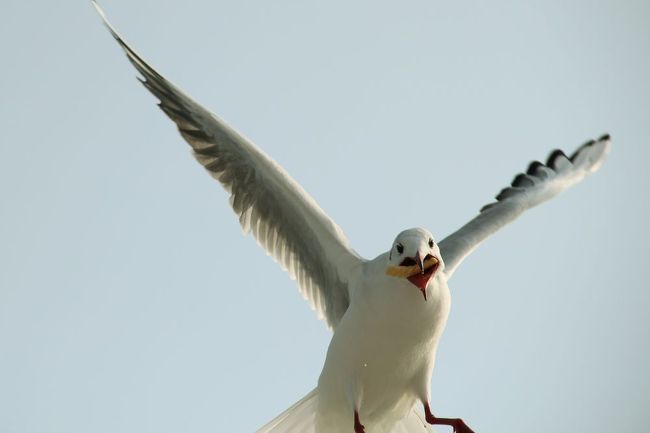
{"points": [[131, 302]]}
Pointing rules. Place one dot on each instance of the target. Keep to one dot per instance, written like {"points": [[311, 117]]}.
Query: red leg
{"points": [[457, 423], [358, 427]]}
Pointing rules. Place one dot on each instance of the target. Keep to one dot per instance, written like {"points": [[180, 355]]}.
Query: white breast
{"points": [[382, 353]]}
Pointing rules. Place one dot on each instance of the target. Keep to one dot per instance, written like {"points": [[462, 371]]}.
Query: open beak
{"points": [[418, 270]]}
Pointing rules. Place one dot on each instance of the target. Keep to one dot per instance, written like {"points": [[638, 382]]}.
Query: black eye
{"points": [[399, 248], [430, 243]]}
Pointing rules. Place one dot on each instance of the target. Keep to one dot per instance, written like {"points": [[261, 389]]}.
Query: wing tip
{"points": [[105, 21], [589, 156], [592, 154], [133, 57], [590, 143], [602, 146], [97, 8]]}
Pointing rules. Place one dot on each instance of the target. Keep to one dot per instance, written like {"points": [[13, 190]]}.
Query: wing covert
{"points": [[540, 183], [282, 217]]}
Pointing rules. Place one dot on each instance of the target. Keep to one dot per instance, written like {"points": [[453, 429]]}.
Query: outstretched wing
{"points": [[284, 219], [539, 183]]}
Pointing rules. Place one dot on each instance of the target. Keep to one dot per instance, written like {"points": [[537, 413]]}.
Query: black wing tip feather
{"points": [[535, 171], [533, 167], [552, 160], [523, 180], [574, 155]]}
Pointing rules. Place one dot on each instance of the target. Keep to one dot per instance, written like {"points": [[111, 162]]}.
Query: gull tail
{"points": [[301, 418]]}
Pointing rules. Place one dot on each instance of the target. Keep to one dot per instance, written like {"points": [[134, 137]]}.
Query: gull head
{"points": [[416, 257]]}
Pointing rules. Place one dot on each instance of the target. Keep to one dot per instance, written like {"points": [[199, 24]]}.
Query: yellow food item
{"points": [[408, 271]]}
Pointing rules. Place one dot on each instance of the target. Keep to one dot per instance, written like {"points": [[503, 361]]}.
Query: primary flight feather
{"points": [[388, 313]]}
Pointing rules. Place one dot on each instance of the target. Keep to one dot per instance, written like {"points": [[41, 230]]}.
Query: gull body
{"points": [[386, 314], [382, 353]]}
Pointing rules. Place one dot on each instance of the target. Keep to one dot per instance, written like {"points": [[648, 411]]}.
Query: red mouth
{"points": [[421, 280]]}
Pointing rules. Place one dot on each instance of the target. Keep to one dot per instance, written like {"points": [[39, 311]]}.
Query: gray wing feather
{"points": [[282, 217], [541, 182]]}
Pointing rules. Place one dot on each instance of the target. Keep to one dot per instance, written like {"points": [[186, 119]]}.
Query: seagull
{"points": [[387, 314]]}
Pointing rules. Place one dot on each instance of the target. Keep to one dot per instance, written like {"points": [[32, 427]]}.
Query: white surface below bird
{"points": [[387, 314]]}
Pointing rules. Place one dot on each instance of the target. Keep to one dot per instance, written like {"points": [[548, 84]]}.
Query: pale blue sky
{"points": [[130, 301]]}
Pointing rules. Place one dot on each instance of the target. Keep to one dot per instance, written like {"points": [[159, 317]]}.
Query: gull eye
{"points": [[399, 248], [430, 243]]}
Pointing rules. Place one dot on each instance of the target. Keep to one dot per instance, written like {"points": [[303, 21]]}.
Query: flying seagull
{"points": [[386, 314]]}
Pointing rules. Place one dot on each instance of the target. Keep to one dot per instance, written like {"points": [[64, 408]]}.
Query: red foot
{"points": [[457, 423], [358, 427]]}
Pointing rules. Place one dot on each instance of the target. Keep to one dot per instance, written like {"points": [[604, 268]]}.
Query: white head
{"points": [[416, 257]]}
